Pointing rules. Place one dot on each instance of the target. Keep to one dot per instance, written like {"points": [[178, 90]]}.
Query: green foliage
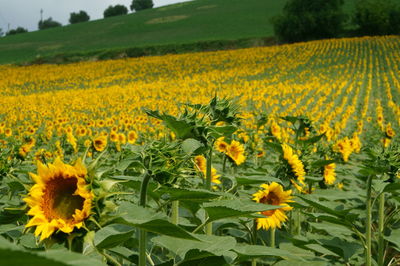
{"points": [[48, 23], [235, 24], [138, 5], [82, 16], [116, 10], [304, 20], [17, 31], [375, 17]]}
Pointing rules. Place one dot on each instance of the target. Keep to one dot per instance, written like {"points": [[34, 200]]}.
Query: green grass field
{"points": [[184, 23]]}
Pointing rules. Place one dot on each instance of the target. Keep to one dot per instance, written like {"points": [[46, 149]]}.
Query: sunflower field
{"points": [[284, 155]]}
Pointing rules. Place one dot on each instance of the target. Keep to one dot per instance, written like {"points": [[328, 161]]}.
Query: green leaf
{"points": [[217, 132], [12, 255], [256, 179], [235, 208], [392, 187], [317, 205], [148, 220], [189, 146], [313, 140], [246, 252], [186, 194], [215, 245], [394, 237], [112, 235]]}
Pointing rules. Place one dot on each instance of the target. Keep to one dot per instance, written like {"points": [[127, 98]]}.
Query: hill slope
{"points": [[175, 24]]}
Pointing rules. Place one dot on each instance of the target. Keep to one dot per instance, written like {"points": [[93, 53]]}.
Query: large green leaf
{"points": [[394, 237], [246, 252], [189, 146], [186, 194], [12, 255], [235, 208], [215, 245], [148, 220], [112, 235]]}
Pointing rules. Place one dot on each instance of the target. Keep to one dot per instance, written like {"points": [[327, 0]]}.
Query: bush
{"points": [[304, 20], [138, 5], [48, 23], [82, 16], [116, 10], [375, 17], [16, 31]]}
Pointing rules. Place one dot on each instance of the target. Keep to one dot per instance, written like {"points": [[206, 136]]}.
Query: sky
{"points": [[26, 13]]}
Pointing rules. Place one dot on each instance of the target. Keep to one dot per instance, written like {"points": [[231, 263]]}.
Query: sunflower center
{"points": [[271, 199], [59, 198]]}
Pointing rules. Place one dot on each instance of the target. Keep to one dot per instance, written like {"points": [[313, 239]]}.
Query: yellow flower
{"points": [[132, 137], [221, 145], [100, 143], [59, 200], [273, 194], [329, 174], [236, 152], [294, 162], [201, 165]]}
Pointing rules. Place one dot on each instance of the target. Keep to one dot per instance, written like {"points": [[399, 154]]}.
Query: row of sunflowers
{"points": [[273, 155]]}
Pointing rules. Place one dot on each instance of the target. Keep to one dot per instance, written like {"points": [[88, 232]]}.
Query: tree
{"points": [[16, 31], [304, 20], [138, 5], [374, 17], [1, 32], [82, 16], [48, 23], [116, 10]]}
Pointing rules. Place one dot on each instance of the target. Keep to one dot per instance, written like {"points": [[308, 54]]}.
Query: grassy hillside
{"points": [[175, 24]]}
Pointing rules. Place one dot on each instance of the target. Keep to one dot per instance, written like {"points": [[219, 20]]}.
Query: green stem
{"points": [[381, 221], [142, 233], [272, 237], [208, 187], [175, 212], [368, 224], [254, 240], [297, 223], [224, 163]]}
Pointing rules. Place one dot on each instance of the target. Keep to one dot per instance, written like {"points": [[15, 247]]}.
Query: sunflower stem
{"points": [[142, 233], [381, 221], [224, 163], [254, 240], [368, 224], [175, 212], [272, 237], [208, 187]]}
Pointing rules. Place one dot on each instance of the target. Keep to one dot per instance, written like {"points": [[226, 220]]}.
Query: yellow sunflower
{"points": [[100, 143], [273, 194], [294, 162], [60, 199], [329, 174], [221, 145], [236, 152], [201, 165]]}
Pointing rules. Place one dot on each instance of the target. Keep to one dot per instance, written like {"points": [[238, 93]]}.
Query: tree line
{"points": [[305, 20], [82, 16]]}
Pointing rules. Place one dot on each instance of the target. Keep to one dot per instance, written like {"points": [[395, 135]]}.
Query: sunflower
{"points": [[273, 194], [100, 143], [329, 174], [221, 145], [235, 151], [294, 162], [60, 199], [201, 165], [132, 137]]}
